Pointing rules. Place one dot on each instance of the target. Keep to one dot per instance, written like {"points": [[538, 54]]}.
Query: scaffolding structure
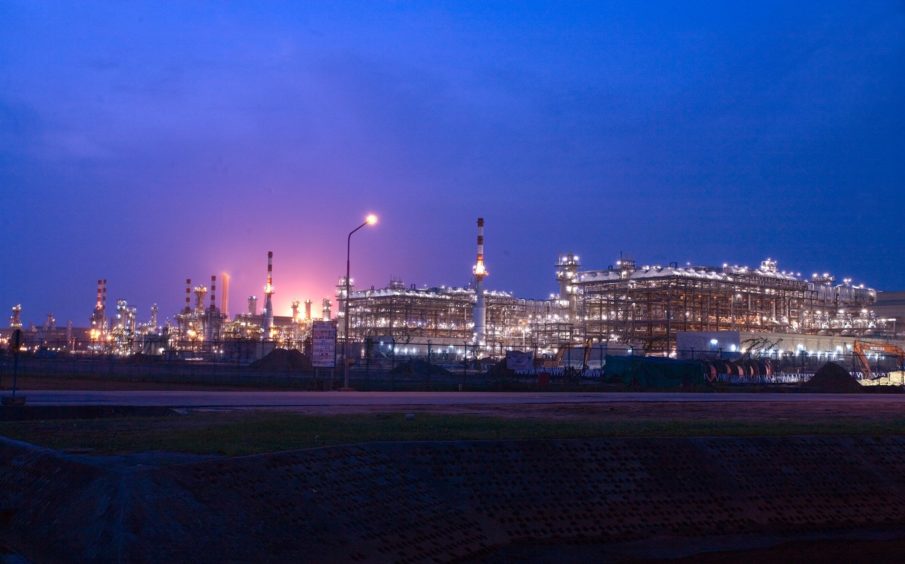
{"points": [[640, 307], [445, 315], [645, 306]]}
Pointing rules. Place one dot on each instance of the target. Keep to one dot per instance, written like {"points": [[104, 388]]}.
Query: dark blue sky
{"points": [[147, 142]]}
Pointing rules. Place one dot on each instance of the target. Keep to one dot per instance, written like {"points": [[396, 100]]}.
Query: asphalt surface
{"points": [[215, 399]]}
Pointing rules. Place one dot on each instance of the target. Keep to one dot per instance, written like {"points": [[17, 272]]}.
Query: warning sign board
{"points": [[519, 361], [323, 344]]}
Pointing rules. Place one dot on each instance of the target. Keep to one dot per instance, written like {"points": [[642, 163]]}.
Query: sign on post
{"points": [[519, 361], [323, 344]]}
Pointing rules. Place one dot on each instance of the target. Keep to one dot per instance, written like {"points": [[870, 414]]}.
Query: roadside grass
{"points": [[240, 433]]}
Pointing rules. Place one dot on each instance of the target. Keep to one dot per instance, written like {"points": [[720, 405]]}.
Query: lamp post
{"points": [[371, 219]]}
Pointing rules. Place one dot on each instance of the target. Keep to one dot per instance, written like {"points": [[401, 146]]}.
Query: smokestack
{"points": [[480, 260], [99, 316], [480, 272], [270, 271], [224, 297], [307, 310], [268, 302], [188, 296], [213, 292]]}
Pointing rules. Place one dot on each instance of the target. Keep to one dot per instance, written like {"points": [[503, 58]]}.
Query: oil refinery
{"points": [[646, 309]]}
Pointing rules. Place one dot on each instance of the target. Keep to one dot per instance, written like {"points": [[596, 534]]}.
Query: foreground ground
{"points": [[718, 499], [702, 477], [247, 431]]}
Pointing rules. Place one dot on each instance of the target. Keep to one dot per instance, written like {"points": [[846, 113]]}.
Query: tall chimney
{"points": [[270, 270], [99, 315], [479, 264], [212, 324], [268, 302], [480, 272], [188, 296]]}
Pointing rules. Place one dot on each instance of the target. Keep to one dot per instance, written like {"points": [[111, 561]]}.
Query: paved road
{"points": [[339, 399]]}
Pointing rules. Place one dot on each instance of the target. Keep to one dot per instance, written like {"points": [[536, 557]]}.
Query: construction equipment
{"points": [[860, 349], [563, 350], [557, 359]]}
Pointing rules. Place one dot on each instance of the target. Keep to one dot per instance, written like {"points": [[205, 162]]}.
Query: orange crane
{"points": [[861, 348]]}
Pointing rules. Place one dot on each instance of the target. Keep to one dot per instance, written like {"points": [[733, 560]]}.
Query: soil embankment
{"points": [[444, 500]]}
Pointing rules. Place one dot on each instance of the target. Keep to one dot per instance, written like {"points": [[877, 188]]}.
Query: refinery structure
{"points": [[628, 306]]}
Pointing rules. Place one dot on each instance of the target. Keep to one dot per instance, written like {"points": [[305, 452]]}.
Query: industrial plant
{"points": [[658, 310], [639, 309]]}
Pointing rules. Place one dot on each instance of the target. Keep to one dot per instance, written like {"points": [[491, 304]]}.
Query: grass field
{"points": [[238, 433]]}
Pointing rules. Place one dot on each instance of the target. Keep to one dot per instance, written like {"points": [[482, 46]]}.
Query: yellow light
{"points": [[371, 219]]}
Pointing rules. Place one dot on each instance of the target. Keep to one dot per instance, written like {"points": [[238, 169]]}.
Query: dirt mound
{"points": [[832, 378], [419, 368], [282, 359]]}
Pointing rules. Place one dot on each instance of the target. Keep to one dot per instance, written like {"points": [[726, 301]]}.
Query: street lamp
{"points": [[371, 219]]}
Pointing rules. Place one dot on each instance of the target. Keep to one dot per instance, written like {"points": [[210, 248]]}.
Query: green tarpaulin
{"points": [[654, 372]]}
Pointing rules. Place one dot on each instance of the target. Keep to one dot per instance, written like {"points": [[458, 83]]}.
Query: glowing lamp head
{"points": [[371, 219]]}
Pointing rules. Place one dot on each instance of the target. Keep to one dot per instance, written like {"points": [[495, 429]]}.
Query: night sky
{"points": [[148, 142]]}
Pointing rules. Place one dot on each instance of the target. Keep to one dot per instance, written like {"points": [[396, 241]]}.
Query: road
{"points": [[290, 399]]}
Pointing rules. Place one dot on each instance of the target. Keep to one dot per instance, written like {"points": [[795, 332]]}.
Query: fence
{"points": [[429, 365]]}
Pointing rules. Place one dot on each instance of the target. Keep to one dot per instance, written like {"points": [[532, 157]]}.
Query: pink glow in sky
{"points": [[147, 142]]}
